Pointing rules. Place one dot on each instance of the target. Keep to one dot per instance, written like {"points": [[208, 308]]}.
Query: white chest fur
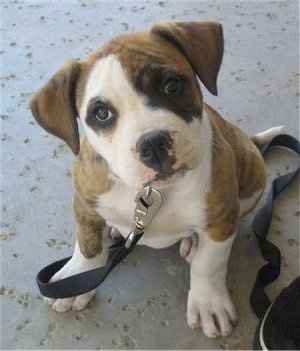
{"points": [[182, 212], [184, 204]]}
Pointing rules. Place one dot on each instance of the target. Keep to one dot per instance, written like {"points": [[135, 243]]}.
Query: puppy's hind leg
{"points": [[91, 251], [188, 247], [209, 303]]}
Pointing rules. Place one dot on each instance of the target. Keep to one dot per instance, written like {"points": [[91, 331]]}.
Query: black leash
{"points": [[83, 282], [148, 203], [268, 273]]}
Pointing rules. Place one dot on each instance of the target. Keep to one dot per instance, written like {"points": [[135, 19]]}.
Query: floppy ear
{"points": [[53, 106], [200, 42]]}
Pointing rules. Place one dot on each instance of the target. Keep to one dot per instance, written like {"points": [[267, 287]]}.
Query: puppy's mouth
{"points": [[157, 180], [165, 179]]}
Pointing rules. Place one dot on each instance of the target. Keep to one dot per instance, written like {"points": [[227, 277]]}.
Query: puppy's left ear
{"points": [[200, 42], [54, 105]]}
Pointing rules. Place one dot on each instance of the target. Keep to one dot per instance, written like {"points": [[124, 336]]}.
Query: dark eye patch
{"points": [[101, 114], [168, 88]]}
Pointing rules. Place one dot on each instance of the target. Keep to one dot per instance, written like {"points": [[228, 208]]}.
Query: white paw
{"points": [[75, 303], [212, 310], [188, 247], [77, 264], [115, 234]]}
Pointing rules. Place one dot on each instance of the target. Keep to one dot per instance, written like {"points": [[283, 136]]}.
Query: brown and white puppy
{"points": [[145, 123]]}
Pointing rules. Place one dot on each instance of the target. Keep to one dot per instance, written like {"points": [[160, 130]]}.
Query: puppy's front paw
{"points": [[77, 264], [212, 310], [75, 303]]}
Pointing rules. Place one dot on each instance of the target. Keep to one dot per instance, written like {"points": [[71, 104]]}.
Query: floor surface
{"points": [[142, 305]]}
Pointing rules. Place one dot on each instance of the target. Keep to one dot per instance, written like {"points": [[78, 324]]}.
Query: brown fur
{"points": [[222, 201], [90, 177], [249, 164], [201, 43], [90, 228], [238, 172], [90, 174], [53, 106]]}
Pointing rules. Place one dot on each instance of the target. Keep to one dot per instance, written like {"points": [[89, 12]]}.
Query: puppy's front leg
{"points": [[91, 251], [209, 303]]}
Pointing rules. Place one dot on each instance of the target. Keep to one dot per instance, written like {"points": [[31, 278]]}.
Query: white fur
{"points": [[77, 264], [209, 303], [108, 81], [183, 208]]}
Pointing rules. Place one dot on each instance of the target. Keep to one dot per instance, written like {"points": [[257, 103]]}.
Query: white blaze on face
{"points": [[108, 82]]}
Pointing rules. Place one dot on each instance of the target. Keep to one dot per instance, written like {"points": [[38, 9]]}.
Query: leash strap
{"points": [[268, 273], [83, 282]]}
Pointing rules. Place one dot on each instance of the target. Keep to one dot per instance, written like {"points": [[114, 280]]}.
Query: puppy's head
{"points": [[139, 100]]}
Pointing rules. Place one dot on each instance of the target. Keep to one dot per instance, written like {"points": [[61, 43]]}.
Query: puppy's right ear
{"points": [[200, 42], [54, 105]]}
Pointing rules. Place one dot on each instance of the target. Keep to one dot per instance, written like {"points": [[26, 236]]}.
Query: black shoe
{"points": [[279, 329]]}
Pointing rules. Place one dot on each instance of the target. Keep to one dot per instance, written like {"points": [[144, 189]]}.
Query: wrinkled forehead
{"points": [[139, 63], [140, 55], [147, 54]]}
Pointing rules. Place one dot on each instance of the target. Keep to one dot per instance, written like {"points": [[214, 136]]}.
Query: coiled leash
{"points": [[148, 202], [269, 272]]}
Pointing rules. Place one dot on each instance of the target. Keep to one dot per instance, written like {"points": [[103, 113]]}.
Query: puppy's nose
{"points": [[155, 150]]}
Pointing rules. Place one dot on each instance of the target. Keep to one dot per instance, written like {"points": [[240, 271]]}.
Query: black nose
{"points": [[155, 150]]}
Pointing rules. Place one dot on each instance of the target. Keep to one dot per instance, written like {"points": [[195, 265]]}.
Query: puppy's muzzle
{"points": [[155, 150]]}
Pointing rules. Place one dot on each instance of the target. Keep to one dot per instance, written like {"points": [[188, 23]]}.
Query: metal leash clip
{"points": [[148, 202]]}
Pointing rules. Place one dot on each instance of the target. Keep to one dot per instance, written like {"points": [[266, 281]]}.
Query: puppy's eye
{"points": [[172, 86], [102, 114]]}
